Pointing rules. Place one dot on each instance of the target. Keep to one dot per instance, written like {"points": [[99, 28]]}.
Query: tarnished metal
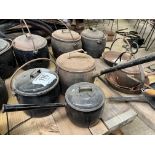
{"points": [[93, 41]]}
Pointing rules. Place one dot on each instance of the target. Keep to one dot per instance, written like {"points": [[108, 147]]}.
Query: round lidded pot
{"points": [[36, 86], [85, 102], [74, 67], [93, 41], [7, 60], [65, 40], [29, 46]]}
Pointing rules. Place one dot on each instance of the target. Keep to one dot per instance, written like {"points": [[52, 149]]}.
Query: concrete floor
{"points": [[137, 127]]}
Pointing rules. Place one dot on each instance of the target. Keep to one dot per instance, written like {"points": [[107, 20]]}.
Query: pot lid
{"points": [[93, 33], [75, 62], [66, 35], [85, 97], [29, 42], [4, 45], [35, 82]]}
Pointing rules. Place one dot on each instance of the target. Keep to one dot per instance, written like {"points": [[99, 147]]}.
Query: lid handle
{"points": [[29, 35], [46, 59], [85, 89], [72, 54]]}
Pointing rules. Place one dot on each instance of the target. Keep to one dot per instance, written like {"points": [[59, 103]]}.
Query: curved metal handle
{"points": [[75, 56], [114, 42], [69, 32], [46, 59], [28, 36]]}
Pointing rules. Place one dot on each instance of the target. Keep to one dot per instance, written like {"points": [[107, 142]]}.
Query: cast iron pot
{"points": [[93, 41], [36, 86], [84, 104], [29, 46], [7, 59], [3, 93], [65, 40], [74, 67]]}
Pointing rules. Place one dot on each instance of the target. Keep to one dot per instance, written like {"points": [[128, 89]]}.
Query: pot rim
{"points": [[42, 92], [71, 41], [95, 39]]}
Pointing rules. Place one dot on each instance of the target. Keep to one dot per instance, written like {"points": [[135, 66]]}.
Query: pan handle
{"points": [[22, 107]]}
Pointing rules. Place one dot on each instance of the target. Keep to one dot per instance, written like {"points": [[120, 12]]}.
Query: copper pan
{"points": [[111, 79]]}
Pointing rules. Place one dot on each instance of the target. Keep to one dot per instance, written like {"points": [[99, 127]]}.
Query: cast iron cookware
{"points": [[7, 59], [36, 86], [30, 46], [84, 104], [93, 41]]}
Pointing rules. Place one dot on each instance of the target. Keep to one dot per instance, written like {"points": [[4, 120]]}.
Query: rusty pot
{"points": [[29, 46], [74, 67], [65, 40]]}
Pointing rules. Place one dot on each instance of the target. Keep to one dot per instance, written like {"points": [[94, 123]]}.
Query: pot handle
{"points": [[46, 59], [29, 36], [22, 107]]}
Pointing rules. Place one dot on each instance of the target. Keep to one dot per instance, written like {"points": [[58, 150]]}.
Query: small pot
{"points": [[74, 67], [93, 41], [84, 104], [7, 59], [36, 86], [28, 47], [65, 40]]}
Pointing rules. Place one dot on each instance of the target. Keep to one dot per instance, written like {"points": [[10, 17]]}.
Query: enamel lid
{"points": [[4, 45]]}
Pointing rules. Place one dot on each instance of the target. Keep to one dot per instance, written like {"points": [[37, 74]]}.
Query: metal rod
{"points": [[22, 107], [145, 59]]}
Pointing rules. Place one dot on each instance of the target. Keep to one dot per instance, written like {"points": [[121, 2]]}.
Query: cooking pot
{"points": [[93, 41], [84, 104], [35, 86], [3, 93], [30, 46], [112, 56], [65, 40], [74, 67], [7, 59]]}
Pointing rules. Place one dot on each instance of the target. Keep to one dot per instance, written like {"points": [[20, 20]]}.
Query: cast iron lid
{"points": [[75, 62], [85, 97], [4, 45], [28, 42], [93, 33], [35, 82], [66, 35]]}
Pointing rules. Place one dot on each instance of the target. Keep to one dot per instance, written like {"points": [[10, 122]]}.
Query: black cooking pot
{"points": [[3, 93], [29, 46], [7, 59], [84, 104], [36, 86]]}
